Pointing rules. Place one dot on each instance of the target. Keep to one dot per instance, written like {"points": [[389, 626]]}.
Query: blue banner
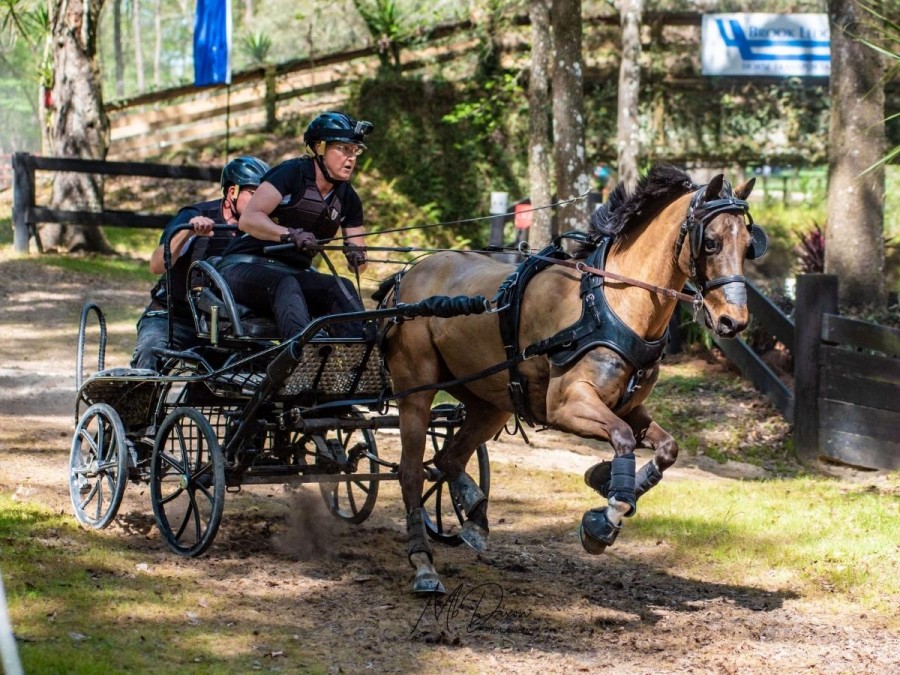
{"points": [[212, 42]]}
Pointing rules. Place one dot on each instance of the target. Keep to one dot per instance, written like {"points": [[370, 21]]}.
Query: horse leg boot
{"points": [[648, 476], [600, 526], [418, 549], [468, 496]]}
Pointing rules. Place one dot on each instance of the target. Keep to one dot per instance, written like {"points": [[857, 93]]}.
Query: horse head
{"points": [[720, 235]]}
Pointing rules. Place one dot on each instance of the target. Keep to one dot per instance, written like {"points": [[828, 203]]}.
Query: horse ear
{"points": [[714, 188], [743, 191]]}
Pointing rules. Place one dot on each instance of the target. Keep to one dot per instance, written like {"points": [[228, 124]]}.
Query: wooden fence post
{"points": [[817, 294], [271, 97], [23, 199]]}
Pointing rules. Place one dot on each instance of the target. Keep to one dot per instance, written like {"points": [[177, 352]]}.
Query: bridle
{"points": [[699, 215]]}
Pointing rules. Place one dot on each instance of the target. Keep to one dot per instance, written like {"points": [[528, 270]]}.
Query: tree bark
{"points": [[854, 237], [78, 125], [568, 114], [541, 231], [157, 46], [117, 48], [628, 141], [138, 48]]}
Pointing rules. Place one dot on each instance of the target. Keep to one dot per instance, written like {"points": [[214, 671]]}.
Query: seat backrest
{"points": [[216, 314]]}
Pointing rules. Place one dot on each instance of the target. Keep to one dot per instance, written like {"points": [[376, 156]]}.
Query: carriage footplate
{"points": [[468, 496]]}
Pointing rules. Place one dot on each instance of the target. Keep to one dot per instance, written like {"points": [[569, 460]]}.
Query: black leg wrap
{"points": [[466, 493], [648, 476], [416, 539], [621, 481], [596, 531], [469, 497]]}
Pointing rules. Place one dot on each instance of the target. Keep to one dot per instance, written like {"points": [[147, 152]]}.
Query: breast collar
{"points": [[598, 326]]}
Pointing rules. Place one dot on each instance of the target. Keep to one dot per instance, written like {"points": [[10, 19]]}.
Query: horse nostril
{"points": [[727, 325]]}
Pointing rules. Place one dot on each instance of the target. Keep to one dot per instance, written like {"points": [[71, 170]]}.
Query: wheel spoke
{"points": [[362, 486], [430, 491], [196, 510], [166, 500], [184, 520], [87, 436], [90, 496], [171, 461], [99, 508], [350, 498], [438, 519]]}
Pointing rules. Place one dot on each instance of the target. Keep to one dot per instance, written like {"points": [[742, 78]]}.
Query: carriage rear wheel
{"points": [[443, 517], [98, 466], [351, 499], [187, 482]]}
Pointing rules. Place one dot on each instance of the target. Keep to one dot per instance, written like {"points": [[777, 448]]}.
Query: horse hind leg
{"points": [[482, 422]]}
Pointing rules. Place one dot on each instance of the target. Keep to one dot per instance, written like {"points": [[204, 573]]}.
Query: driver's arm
{"points": [[255, 219]]}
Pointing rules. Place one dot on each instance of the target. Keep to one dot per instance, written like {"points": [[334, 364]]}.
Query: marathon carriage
{"points": [[244, 408]]}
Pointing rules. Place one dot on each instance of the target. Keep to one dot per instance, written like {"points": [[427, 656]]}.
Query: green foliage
{"points": [[103, 266], [256, 46], [430, 161]]}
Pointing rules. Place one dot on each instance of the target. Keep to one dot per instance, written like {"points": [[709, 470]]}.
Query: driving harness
{"points": [[598, 326]]}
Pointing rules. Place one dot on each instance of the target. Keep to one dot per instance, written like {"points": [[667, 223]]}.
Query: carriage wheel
{"points": [[98, 466], [187, 482], [349, 499], [444, 518]]}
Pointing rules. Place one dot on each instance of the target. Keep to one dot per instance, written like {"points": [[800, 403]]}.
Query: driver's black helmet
{"points": [[336, 126], [243, 171]]}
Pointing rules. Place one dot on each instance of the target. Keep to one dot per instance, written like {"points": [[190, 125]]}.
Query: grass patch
{"points": [[712, 412], [129, 269], [79, 599], [817, 536]]}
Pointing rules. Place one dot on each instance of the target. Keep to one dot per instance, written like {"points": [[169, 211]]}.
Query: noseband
{"points": [[699, 215]]}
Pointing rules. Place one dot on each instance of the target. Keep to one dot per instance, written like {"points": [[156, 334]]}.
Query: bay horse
{"points": [[582, 347]]}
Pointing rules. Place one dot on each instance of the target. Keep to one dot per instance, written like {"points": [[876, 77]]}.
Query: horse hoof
{"points": [[427, 583], [598, 478], [596, 532], [474, 536]]}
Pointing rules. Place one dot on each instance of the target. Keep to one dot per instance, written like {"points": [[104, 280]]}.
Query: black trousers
{"points": [[294, 297]]}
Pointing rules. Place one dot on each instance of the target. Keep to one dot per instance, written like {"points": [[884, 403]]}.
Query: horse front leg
{"points": [[415, 415], [581, 410], [648, 434], [482, 422]]}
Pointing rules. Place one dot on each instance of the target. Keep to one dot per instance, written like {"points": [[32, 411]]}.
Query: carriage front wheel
{"points": [[443, 516], [98, 466], [187, 482]]}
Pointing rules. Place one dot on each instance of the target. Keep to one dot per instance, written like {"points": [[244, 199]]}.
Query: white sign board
{"points": [[779, 45], [499, 202]]}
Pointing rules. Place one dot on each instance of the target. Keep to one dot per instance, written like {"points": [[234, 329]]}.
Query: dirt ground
{"points": [[545, 604]]}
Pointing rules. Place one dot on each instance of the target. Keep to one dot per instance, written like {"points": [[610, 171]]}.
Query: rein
{"points": [[661, 290]]}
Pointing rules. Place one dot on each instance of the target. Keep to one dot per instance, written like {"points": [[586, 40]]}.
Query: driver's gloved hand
{"points": [[356, 256], [301, 239]]}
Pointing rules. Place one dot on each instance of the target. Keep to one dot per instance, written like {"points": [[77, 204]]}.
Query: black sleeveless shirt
{"points": [[302, 206]]}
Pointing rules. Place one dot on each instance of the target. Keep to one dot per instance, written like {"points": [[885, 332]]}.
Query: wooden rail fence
{"points": [[845, 405], [27, 214]]}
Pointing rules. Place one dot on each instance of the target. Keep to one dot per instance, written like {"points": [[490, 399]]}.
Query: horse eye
{"points": [[710, 245]]}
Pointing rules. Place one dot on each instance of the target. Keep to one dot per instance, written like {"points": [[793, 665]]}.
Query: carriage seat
{"points": [[217, 314]]}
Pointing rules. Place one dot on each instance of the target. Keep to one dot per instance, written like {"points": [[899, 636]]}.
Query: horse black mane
{"points": [[622, 212]]}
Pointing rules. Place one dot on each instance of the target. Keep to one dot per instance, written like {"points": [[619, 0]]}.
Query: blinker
{"points": [[759, 243]]}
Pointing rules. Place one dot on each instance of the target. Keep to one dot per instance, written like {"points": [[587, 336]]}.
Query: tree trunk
{"points": [[541, 231], [628, 141], [138, 49], [854, 237], [568, 114], [248, 14], [157, 46], [78, 126], [117, 48]]}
